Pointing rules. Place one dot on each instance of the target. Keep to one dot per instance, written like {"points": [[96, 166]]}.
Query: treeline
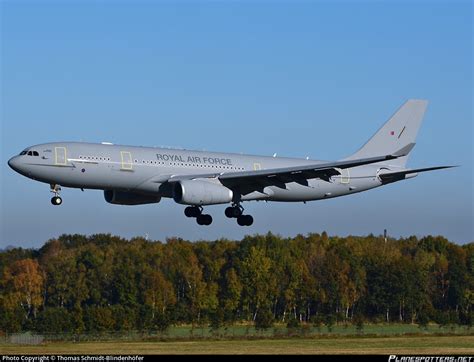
{"points": [[80, 284]]}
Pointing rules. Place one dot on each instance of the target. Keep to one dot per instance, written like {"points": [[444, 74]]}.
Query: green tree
{"points": [[257, 280], [231, 295], [185, 273]]}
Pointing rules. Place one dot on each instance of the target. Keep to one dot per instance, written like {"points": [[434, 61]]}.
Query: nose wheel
{"points": [[56, 200]]}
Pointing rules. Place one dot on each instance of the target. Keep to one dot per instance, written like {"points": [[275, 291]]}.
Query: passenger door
{"points": [[126, 161], [60, 156]]}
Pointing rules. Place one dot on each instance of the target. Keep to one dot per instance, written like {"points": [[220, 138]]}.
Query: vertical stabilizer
{"points": [[398, 132]]}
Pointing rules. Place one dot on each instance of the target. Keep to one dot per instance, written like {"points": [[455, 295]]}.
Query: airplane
{"points": [[131, 175]]}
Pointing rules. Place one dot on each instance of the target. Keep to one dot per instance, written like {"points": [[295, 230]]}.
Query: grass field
{"points": [[392, 329], [185, 332], [242, 339], [357, 345]]}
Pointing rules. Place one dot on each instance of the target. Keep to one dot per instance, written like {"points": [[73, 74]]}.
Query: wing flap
{"points": [[309, 171]]}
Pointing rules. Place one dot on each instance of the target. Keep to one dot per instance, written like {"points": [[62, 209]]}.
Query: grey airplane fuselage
{"points": [[145, 170], [132, 175]]}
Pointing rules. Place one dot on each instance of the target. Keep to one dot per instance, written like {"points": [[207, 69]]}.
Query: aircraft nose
{"points": [[14, 163]]}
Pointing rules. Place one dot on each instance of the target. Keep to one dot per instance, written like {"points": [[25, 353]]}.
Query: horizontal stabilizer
{"points": [[400, 175]]}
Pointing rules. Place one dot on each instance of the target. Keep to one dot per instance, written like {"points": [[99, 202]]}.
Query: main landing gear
{"points": [[196, 211], [236, 211], [56, 200]]}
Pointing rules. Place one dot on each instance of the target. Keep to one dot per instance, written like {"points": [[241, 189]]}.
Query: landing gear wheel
{"points": [[192, 211], [245, 220], [56, 201], [204, 219], [233, 211], [229, 212], [248, 220]]}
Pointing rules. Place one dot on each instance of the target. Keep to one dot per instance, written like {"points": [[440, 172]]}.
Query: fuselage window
{"points": [[22, 153], [35, 153]]}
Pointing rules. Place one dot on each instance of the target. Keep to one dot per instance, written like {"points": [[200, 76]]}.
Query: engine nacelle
{"points": [[198, 192], [129, 198]]}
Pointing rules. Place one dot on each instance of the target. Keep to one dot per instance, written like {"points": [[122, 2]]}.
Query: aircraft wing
{"points": [[249, 181]]}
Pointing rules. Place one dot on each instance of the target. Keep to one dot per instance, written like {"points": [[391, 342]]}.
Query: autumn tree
{"points": [[23, 283], [101, 283], [158, 294]]}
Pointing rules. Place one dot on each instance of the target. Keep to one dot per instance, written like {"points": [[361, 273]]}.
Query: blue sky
{"points": [[300, 79]]}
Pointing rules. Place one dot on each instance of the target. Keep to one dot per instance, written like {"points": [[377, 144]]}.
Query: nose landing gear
{"points": [[56, 200]]}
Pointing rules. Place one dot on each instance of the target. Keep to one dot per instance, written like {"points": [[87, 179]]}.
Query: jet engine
{"points": [[199, 192], [129, 198]]}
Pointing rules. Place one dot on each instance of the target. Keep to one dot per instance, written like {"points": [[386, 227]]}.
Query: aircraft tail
{"points": [[398, 132]]}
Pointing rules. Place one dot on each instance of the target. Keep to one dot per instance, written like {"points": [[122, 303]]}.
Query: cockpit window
{"points": [[29, 153]]}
